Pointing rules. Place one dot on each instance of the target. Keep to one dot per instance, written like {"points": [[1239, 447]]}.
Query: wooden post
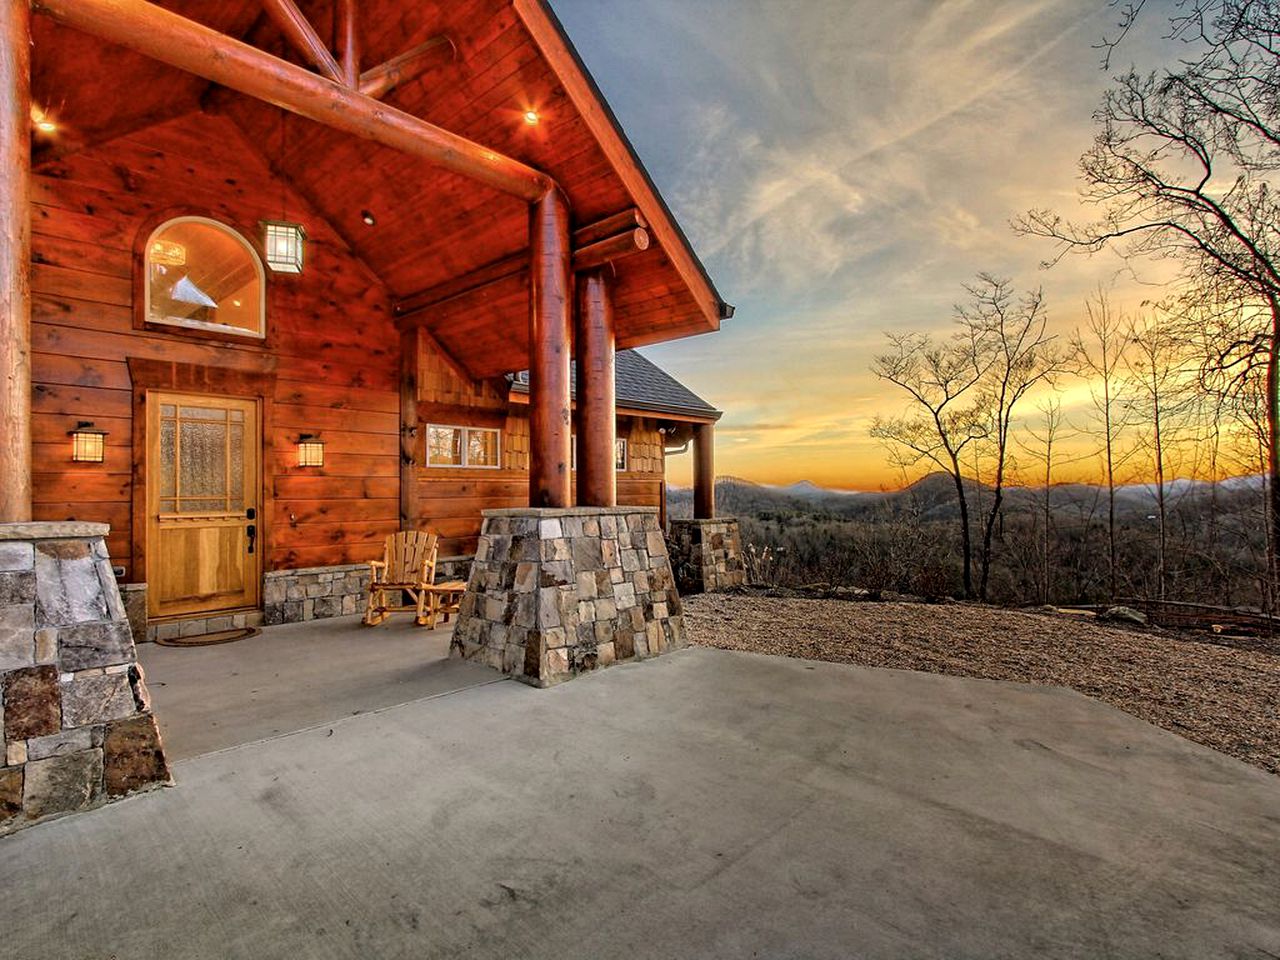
{"points": [[597, 410], [349, 42], [15, 262], [704, 471], [550, 332], [410, 442]]}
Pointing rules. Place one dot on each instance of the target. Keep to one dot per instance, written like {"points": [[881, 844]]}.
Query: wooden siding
{"points": [[450, 499], [331, 349], [331, 344]]}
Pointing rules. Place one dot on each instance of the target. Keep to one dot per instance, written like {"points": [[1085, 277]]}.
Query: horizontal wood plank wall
{"points": [[451, 498], [329, 332]]}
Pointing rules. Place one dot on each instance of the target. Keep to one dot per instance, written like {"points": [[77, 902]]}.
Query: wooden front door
{"points": [[203, 502]]}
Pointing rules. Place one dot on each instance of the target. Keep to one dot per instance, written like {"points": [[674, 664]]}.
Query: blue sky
{"points": [[842, 167]]}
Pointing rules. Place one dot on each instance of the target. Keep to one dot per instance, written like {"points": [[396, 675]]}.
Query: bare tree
{"points": [[1180, 171], [1014, 330], [942, 380], [1098, 352], [1046, 436], [1155, 364]]}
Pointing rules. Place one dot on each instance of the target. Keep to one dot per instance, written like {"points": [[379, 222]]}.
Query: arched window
{"points": [[202, 274]]}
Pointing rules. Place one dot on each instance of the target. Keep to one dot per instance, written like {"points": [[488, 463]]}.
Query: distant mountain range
{"points": [[933, 497]]}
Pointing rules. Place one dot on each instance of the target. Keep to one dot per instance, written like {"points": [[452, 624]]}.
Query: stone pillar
{"points": [[597, 406], [15, 261], [704, 471], [78, 728], [706, 555], [556, 593]]}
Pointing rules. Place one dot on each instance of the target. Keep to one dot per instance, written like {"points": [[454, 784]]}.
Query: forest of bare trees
{"points": [[1170, 408], [1184, 390]]}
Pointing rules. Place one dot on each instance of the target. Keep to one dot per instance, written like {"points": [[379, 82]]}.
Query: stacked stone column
{"points": [[554, 593], [76, 717]]}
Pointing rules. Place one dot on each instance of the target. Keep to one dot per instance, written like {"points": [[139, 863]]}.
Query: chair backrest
{"points": [[405, 554]]}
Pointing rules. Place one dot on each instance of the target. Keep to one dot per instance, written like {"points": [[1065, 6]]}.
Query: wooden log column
{"points": [[597, 410], [15, 262], [550, 345], [410, 442], [704, 472]]}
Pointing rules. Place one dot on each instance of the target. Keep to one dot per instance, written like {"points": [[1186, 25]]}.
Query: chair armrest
{"points": [[374, 567]]}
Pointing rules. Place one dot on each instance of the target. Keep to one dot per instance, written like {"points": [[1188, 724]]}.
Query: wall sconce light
{"points": [[310, 451], [88, 444], [284, 245]]}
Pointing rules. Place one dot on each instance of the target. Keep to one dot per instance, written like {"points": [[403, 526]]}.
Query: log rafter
{"points": [[376, 82], [594, 245]]}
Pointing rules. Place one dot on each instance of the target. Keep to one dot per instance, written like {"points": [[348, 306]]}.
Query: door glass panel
{"points": [[202, 413], [168, 471], [202, 459], [237, 464], [211, 505]]}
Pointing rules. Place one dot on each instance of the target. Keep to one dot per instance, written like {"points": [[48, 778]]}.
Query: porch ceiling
{"points": [[432, 225]]}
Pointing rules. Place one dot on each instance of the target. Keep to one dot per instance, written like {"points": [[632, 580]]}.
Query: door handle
{"points": [[252, 531]]}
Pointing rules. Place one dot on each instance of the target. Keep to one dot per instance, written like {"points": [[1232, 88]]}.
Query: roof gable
{"points": [[430, 225]]}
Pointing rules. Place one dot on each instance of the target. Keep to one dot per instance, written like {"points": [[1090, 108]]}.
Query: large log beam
{"points": [[378, 81], [550, 346], [596, 390], [173, 39], [297, 29], [15, 262], [590, 252], [610, 249]]}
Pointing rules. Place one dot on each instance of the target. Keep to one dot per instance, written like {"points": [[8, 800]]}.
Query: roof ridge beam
{"points": [[187, 45], [293, 23]]}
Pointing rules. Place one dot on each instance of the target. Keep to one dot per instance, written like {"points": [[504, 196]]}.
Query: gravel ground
{"points": [[1224, 698]]}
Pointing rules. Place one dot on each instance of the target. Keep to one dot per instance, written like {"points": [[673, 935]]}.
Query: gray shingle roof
{"points": [[642, 385]]}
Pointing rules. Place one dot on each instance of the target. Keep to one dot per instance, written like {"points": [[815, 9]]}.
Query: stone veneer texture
{"points": [[315, 593], [707, 555], [76, 716], [555, 593]]}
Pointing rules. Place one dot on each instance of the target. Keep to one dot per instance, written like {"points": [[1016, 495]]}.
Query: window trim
{"points": [[465, 465], [621, 466], [203, 326]]}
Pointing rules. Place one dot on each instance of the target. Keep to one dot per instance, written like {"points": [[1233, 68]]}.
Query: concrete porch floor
{"points": [[704, 804], [296, 676]]}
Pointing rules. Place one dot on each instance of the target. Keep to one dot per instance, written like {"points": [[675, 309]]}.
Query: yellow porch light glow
{"points": [[88, 444], [310, 451], [283, 242], [531, 117]]}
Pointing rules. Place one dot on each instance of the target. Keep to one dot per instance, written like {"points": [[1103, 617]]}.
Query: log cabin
{"points": [[281, 277]]}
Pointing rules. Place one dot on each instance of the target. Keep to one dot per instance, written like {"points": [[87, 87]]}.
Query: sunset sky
{"points": [[842, 167]]}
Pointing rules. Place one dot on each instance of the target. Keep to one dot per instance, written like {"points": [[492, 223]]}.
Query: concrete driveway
{"points": [[705, 804]]}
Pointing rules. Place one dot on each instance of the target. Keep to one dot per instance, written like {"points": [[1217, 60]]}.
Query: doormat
{"points": [[209, 639]]}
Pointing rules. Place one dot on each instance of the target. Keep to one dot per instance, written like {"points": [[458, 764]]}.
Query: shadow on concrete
{"points": [[296, 676]]}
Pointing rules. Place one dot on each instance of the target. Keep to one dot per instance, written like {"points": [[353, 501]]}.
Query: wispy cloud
{"points": [[842, 166]]}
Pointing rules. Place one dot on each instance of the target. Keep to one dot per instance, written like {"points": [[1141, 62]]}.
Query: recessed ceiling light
{"points": [[368, 217], [42, 121], [531, 117]]}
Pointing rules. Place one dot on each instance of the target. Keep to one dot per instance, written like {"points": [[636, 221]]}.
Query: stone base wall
{"points": [[202, 626], [316, 593], [76, 716], [555, 593], [707, 555]]}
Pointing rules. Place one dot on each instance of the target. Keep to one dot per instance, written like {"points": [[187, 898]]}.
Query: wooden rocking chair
{"points": [[408, 566]]}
